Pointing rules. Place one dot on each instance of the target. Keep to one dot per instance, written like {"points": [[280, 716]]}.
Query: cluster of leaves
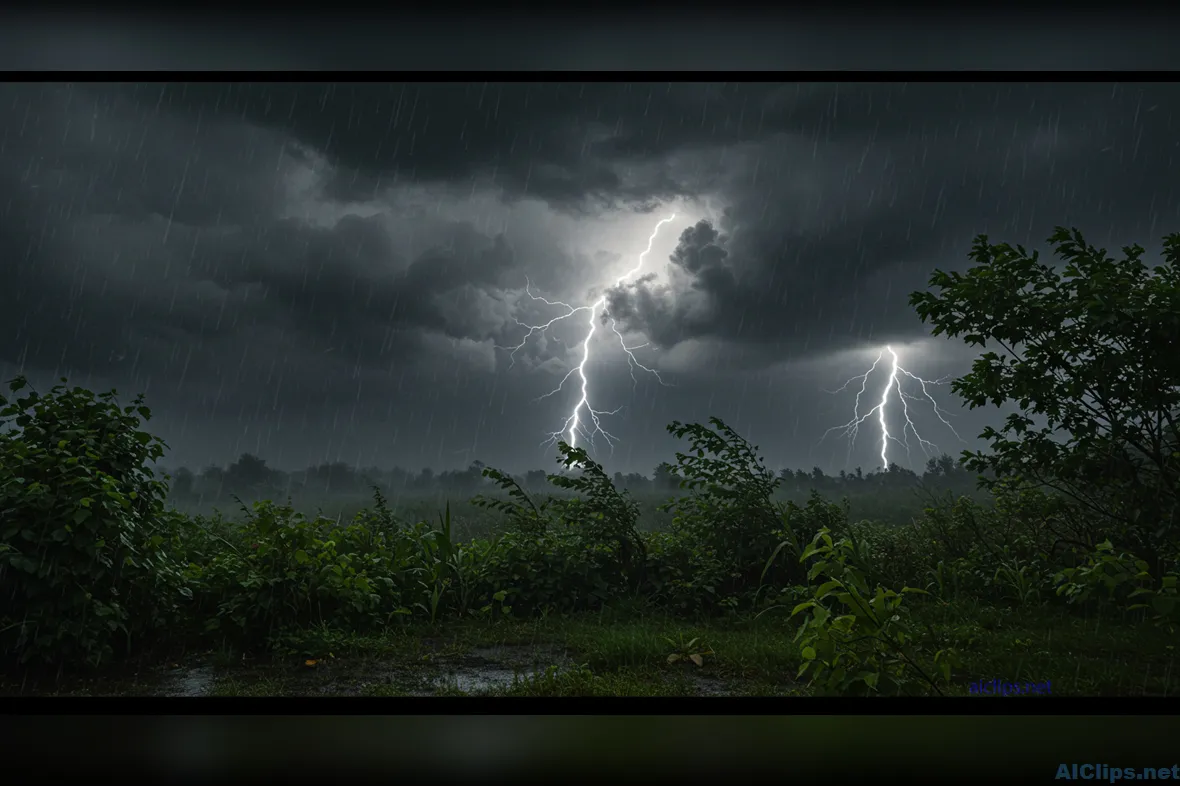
{"points": [[857, 637], [570, 553], [604, 515], [1090, 351], [84, 564], [724, 527], [1123, 578], [1002, 553]]}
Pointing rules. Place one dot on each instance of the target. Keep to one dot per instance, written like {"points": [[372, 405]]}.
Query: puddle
{"points": [[196, 681], [477, 679], [490, 668], [709, 686]]}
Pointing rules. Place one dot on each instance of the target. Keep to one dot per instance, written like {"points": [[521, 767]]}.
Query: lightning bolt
{"points": [[592, 426], [893, 384]]}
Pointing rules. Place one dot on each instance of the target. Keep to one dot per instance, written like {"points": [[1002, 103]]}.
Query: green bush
{"points": [[282, 571], [858, 637], [728, 514], [1125, 579], [564, 554], [84, 561]]}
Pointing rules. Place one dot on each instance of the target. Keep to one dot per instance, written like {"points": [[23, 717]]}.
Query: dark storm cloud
{"points": [[830, 229], [261, 249], [336, 288], [126, 233], [830, 187], [828, 184], [666, 314], [342, 284], [573, 142]]}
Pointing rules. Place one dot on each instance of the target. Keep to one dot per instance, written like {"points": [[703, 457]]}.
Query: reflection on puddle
{"points": [[478, 679], [709, 686], [497, 667], [190, 682]]}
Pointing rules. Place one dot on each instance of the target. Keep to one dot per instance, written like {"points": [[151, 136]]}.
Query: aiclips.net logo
{"points": [[1104, 772], [1005, 688]]}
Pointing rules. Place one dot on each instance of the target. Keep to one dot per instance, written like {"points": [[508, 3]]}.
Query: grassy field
{"points": [[627, 653], [894, 506]]}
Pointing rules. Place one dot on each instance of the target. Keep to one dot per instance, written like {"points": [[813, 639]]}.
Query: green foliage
{"points": [[283, 571], [605, 516], [728, 515], [858, 637], [1000, 553], [1090, 351], [691, 651], [524, 514], [276, 580], [1123, 578], [595, 554], [84, 566]]}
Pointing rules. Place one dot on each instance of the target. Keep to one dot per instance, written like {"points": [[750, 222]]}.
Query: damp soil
{"points": [[438, 671]]}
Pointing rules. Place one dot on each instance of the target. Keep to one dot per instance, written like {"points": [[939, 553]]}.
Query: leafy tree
{"points": [[212, 480], [1091, 349], [248, 475], [425, 479], [897, 475], [83, 531], [337, 476], [634, 481], [182, 483], [664, 477]]}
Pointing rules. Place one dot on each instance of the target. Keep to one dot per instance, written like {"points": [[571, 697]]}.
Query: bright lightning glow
{"points": [[894, 383], [574, 424]]}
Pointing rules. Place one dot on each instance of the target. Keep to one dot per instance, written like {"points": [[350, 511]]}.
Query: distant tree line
{"points": [[250, 477]]}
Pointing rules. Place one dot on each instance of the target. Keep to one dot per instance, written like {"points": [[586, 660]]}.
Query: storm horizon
{"points": [[360, 272]]}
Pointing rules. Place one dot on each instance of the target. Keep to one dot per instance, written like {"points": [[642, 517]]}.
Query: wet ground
{"points": [[489, 668], [479, 671]]}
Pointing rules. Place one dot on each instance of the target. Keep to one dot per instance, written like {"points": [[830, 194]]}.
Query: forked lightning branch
{"points": [[881, 410], [576, 424]]}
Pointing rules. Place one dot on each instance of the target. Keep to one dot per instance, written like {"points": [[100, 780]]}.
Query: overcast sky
{"points": [[341, 271]]}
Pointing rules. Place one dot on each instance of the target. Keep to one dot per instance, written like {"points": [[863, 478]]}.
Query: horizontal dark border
{"points": [[329, 748], [451, 12], [235, 76], [736, 36]]}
